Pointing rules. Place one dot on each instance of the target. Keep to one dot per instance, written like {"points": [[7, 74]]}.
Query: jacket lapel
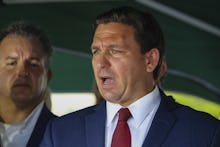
{"points": [[40, 127], [95, 126], [162, 123]]}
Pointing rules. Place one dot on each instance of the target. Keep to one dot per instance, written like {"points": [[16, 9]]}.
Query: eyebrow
{"points": [[93, 45], [14, 58], [11, 58], [35, 58], [113, 46], [108, 47]]}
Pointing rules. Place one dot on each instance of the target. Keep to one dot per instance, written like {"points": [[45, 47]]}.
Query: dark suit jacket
{"points": [[40, 127], [174, 125]]}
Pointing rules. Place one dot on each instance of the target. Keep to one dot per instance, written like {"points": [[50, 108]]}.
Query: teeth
{"points": [[108, 81]]}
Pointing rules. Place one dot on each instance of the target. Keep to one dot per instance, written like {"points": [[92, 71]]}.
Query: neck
{"points": [[11, 113]]}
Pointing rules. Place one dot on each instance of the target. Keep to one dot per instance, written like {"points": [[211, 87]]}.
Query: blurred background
{"points": [[192, 35]]}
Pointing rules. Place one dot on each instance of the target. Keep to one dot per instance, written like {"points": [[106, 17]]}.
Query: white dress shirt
{"points": [[17, 135], [143, 112]]}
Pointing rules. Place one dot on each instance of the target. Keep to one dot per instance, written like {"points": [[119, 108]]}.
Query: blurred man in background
{"points": [[25, 53]]}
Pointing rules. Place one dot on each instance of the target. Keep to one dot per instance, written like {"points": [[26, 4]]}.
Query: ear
{"points": [[49, 74], [152, 59], [163, 69]]}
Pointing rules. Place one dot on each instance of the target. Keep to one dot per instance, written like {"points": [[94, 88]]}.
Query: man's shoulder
{"points": [[77, 116], [188, 114], [192, 117], [196, 116], [46, 112], [80, 113]]}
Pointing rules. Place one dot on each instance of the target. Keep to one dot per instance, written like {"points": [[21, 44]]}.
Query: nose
{"points": [[103, 61], [23, 70]]}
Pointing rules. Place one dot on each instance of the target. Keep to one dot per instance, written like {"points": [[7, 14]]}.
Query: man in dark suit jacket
{"points": [[128, 49], [25, 53], [173, 125], [40, 127]]}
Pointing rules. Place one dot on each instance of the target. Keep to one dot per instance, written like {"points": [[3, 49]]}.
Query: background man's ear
{"points": [[49, 75]]}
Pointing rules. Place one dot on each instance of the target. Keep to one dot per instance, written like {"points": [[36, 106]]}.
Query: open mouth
{"points": [[107, 81]]}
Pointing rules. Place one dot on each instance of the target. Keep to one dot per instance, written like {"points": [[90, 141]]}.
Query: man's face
{"points": [[119, 66], [23, 75]]}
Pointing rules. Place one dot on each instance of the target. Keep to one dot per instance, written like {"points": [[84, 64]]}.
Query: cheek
{"points": [[5, 78], [131, 71], [40, 81], [125, 67], [95, 69], [93, 66], [123, 71]]}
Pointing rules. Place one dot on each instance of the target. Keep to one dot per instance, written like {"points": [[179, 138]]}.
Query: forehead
{"points": [[114, 31], [20, 44]]}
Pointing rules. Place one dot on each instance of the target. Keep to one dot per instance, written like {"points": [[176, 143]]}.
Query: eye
{"points": [[114, 51], [95, 51], [11, 63], [34, 63]]}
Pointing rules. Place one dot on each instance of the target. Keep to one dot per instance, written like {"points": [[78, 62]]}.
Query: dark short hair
{"points": [[147, 30], [25, 29]]}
